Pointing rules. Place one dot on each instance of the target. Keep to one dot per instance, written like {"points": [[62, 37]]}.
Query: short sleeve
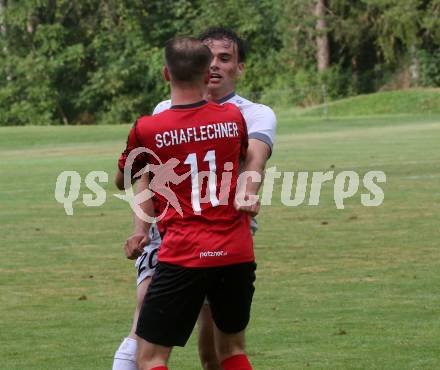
{"points": [[140, 160], [261, 122]]}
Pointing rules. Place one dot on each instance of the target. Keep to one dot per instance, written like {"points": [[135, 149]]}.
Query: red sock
{"points": [[237, 362], [161, 367]]}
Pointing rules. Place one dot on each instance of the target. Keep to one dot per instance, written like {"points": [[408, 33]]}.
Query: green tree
{"points": [[92, 61]]}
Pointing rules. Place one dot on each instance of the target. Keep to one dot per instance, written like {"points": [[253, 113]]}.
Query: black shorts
{"points": [[176, 295]]}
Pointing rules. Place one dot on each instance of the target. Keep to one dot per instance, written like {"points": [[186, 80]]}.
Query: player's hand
{"points": [[134, 245], [249, 204]]}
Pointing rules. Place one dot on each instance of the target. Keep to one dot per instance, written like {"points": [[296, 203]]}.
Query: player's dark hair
{"points": [[219, 32], [187, 58]]}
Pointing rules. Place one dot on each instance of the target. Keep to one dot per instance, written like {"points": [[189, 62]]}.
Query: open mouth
{"points": [[214, 77]]}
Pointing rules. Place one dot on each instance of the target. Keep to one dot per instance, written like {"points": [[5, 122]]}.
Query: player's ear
{"points": [[240, 69], [166, 73]]}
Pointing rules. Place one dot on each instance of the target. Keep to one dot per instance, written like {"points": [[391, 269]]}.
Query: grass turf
{"points": [[336, 289], [411, 101]]}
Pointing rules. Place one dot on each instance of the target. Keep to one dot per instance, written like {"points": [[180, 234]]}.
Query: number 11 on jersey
{"points": [[212, 180]]}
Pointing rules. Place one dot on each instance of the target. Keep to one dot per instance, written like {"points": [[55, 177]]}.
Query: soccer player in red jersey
{"points": [[229, 55], [206, 248]]}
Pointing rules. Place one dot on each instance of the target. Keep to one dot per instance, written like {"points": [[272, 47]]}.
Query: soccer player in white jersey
{"points": [[227, 65]]}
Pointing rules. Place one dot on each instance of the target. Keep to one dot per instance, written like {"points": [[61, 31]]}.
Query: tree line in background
{"points": [[94, 61]]}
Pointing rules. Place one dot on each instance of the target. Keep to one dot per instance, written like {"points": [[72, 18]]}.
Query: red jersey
{"points": [[198, 148]]}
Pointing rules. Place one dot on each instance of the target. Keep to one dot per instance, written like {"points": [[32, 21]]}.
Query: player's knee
{"points": [[139, 303], [141, 291]]}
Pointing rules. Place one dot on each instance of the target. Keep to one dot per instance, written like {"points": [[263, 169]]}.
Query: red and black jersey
{"points": [[193, 153]]}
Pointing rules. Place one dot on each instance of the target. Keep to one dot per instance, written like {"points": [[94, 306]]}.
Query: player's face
{"points": [[225, 68]]}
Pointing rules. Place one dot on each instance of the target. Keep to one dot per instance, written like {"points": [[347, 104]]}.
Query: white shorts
{"points": [[146, 263]]}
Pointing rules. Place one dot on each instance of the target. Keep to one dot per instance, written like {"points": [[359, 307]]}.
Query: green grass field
{"points": [[411, 101], [357, 288]]}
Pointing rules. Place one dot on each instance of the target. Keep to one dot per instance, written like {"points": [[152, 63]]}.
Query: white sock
{"points": [[125, 356]]}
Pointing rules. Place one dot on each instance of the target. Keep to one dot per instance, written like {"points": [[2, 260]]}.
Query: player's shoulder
{"points": [[162, 106], [264, 113], [249, 107], [264, 109], [139, 128], [259, 109], [144, 123], [260, 119], [240, 102]]}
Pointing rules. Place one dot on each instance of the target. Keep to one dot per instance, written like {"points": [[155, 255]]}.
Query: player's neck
{"points": [[187, 95], [213, 95]]}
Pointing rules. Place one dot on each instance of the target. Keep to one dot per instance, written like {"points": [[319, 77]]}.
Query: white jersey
{"points": [[260, 119]]}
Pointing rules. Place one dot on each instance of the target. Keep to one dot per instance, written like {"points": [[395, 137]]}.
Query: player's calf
{"points": [[152, 356], [206, 345]]}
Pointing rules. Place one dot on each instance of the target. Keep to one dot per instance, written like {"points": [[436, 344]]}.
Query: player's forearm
{"points": [[119, 180], [257, 155], [147, 208], [255, 167]]}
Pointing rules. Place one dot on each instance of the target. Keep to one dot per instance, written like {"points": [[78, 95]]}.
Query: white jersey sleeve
{"points": [[162, 106], [261, 123], [260, 120]]}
